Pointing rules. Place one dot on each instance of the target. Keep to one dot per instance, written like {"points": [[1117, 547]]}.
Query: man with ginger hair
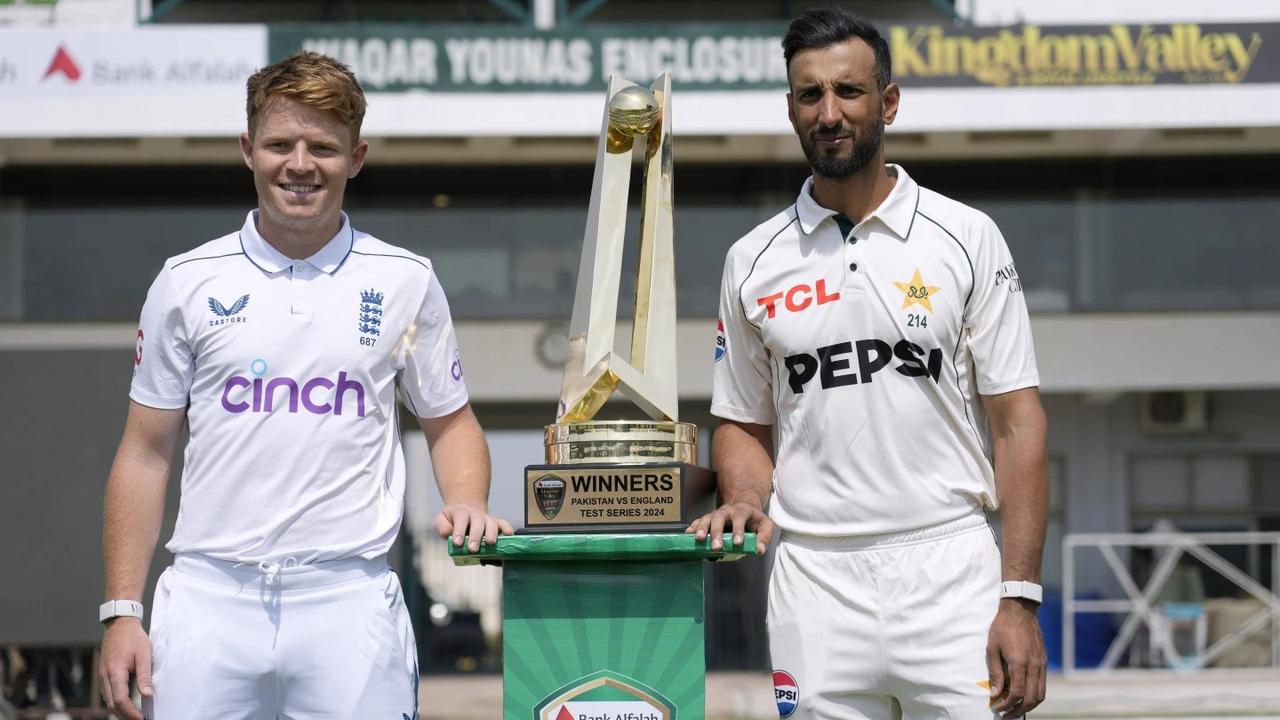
{"points": [[284, 346]]}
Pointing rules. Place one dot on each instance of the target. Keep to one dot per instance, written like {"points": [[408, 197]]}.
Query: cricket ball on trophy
{"points": [[633, 111]]}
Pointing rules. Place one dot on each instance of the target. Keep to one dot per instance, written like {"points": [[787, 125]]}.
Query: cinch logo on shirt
{"points": [[832, 367], [318, 396], [798, 297], [455, 370]]}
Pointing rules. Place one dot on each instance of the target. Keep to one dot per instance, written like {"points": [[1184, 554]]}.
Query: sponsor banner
{"points": [[478, 81], [748, 56], [615, 710], [56, 64], [470, 58], [1049, 56]]}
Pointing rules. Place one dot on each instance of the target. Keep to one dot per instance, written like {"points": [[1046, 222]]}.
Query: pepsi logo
{"points": [[720, 342], [786, 691]]}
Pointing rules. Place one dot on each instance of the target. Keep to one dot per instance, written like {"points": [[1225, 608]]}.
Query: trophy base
{"points": [[615, 497], [621, 441]]}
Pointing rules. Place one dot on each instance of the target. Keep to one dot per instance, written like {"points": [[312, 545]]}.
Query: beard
{"points": [[865, 146]]}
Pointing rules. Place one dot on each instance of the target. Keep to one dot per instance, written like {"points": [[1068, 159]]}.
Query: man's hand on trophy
{"points": [[738, 517], [475, 523]]}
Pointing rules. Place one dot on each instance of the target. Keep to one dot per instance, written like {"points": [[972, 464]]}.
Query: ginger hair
{"points": [[312, 79]]}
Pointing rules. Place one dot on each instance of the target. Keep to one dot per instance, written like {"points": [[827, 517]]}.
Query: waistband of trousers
{"points": [[285, 574], [928, 533]]}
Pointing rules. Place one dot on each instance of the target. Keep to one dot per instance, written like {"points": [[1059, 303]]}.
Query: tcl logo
{"points": [[799, 297]]}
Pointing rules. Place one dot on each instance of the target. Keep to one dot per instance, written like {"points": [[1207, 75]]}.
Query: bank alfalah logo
{"points": [[605, 695], [223, 311], [62, 64]]}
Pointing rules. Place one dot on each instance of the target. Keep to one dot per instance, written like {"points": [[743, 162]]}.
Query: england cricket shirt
{"points": [[290, 370]]}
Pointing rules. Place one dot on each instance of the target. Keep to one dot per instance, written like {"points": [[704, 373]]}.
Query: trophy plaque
{"points": [[622, 475]]}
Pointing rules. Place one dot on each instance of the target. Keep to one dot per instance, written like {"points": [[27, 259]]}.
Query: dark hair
{"points": [[825, 27]]}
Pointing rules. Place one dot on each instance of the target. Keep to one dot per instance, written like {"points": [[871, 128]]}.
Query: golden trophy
{"points": [[610, 621], [623, 474]]}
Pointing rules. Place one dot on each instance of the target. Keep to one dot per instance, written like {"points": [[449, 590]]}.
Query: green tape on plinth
{"points": [[612, 546]]}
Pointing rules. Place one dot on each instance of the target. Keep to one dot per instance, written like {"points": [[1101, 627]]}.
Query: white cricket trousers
{"points": [[265, 641], [877, 627]]}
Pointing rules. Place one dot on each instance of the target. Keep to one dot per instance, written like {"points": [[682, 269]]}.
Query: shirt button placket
{"points": [[298, 276], [852, 278]]}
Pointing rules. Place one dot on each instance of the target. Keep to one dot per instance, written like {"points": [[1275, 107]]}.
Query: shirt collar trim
{"points": [[328, 258], [897, 212]]}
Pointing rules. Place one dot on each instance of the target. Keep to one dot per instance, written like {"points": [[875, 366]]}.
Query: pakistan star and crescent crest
{"points": [[917, 292]]}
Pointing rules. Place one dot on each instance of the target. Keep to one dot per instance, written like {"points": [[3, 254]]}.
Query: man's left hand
{"points": [[475, 523], [1016, 659]]}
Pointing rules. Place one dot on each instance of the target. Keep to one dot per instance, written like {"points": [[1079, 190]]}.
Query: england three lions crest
{"points": [[370, 325]]}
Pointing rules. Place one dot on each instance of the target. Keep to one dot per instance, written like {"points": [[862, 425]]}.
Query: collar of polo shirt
{"points": [[896, 212], [328, 258]]}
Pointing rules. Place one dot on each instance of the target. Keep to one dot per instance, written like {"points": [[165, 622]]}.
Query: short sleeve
{"points": [[163, 364], [430, 373], [999, 329], [742, 387]]}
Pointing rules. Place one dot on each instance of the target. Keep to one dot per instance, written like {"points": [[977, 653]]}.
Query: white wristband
{"points": [[1022, 589], [119, 608]]}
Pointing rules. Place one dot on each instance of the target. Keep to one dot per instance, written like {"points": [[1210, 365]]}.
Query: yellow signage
{"points": [[730, 56], [1105, 55]]}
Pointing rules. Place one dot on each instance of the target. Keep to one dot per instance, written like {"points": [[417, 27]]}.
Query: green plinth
{"points": [[599, 626]]}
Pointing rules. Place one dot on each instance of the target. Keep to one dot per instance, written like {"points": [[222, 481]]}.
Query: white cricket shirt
{"points": [[869, 345], [290, 371]]}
